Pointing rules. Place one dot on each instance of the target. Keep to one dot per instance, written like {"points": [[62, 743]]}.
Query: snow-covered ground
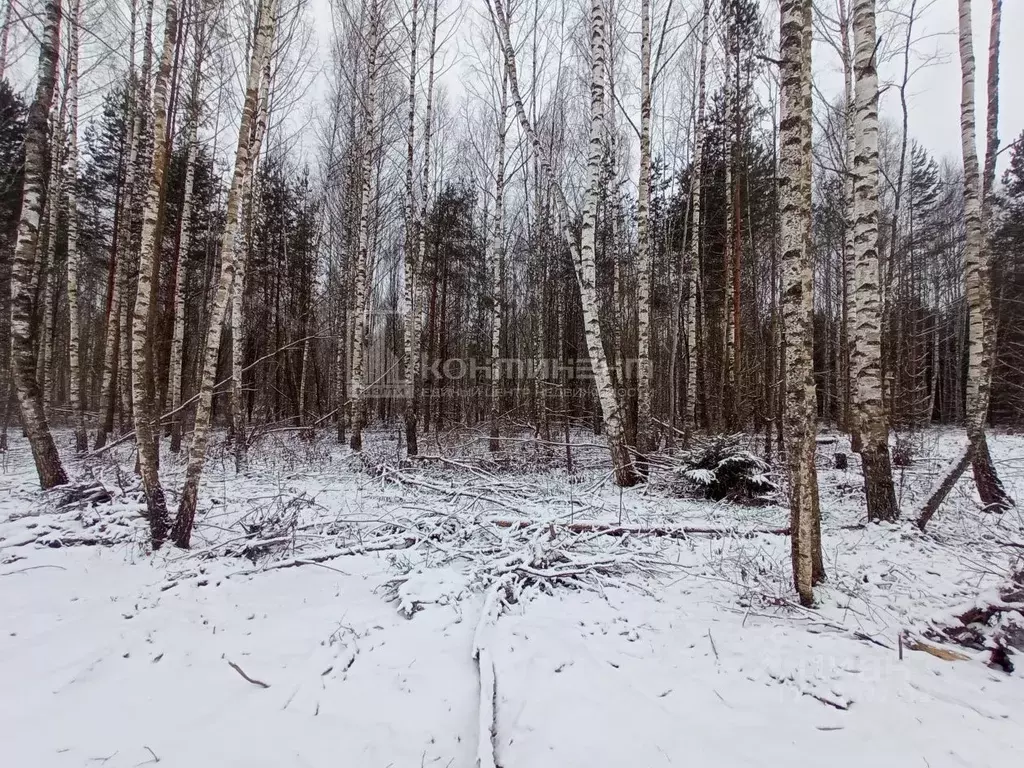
{"points": [[600, 650]]}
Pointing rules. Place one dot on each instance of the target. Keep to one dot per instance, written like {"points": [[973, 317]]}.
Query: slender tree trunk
{"points": [[244, 248], [182, 531], [981, 324], [497, 258], [362, 285], [410, 262], [583, 256], [693, 270], [797, 292], [74, 332], [866, 358], [44, 451], [185, 237], [644, 430], [146, 432]]}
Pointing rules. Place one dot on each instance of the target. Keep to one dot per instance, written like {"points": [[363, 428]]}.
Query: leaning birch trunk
{"points": [[693, 270], [797, 296], [71, 200], [23, 361], [497, 257], [144, 410], [644, 436], [361, 283], [866, 355], [625, 472], [185, 240], [978, 292], [410, 266], [244, 246], [182, 531]]}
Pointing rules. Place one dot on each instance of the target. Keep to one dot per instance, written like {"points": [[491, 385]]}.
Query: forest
{"points": [[511, 382]]}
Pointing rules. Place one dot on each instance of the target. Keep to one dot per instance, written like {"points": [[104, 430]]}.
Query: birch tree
{"points": [[23, 359], [496, 254], [797, 291], [866, 357], [583, 253], [410, 262], [977, 257], [644, 437], [693, 269], [144, 409], [194, 111], [71, 201], [182, 530], [362, 284]]}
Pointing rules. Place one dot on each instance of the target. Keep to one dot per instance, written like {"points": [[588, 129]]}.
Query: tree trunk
{"points": [[44, 451], [146, 432], [644, 431], [981, 322], [74, 332], [185, 237], [497, 257], [182, 531], [583, 257], [362, 285], [866, 358], [797, 292], [693, 271]]}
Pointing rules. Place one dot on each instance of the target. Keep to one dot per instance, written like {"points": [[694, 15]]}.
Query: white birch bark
{"points": [[797, 290], [866, 356], [362, 282], [244, 246], [849, 282], [644, 432], [496, 254], [26, 384], [71, 200], [693, 270], [981, 321], [144, 409], [182, 531], [185, 235], [625, 473], [410, 262]]}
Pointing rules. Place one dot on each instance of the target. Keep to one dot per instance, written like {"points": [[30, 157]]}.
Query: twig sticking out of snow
{"points": [[238, 669]]}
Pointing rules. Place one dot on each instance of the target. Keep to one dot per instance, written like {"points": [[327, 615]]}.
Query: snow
{"points": [[394, 624]]}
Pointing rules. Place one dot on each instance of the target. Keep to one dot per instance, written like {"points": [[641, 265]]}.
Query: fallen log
{"points": [[672, 532]]}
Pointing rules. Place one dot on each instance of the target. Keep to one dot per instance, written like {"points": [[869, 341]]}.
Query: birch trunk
{"points": [[243, 246], [362, 286], [44, 451], [693, 270], [981, 321], [797, 291], [497, 257], [866, 356], [185, 237], [726, 399], [410, 264], [71, 200], [644, 436], [182, 531], [583, 258], [5, 37], [146, 432]]}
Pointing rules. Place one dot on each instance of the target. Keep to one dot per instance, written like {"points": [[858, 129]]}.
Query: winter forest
{"points": [[511, 383]]}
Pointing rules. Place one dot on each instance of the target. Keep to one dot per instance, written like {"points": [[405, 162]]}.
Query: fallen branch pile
{"points": [[993, 624]]}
